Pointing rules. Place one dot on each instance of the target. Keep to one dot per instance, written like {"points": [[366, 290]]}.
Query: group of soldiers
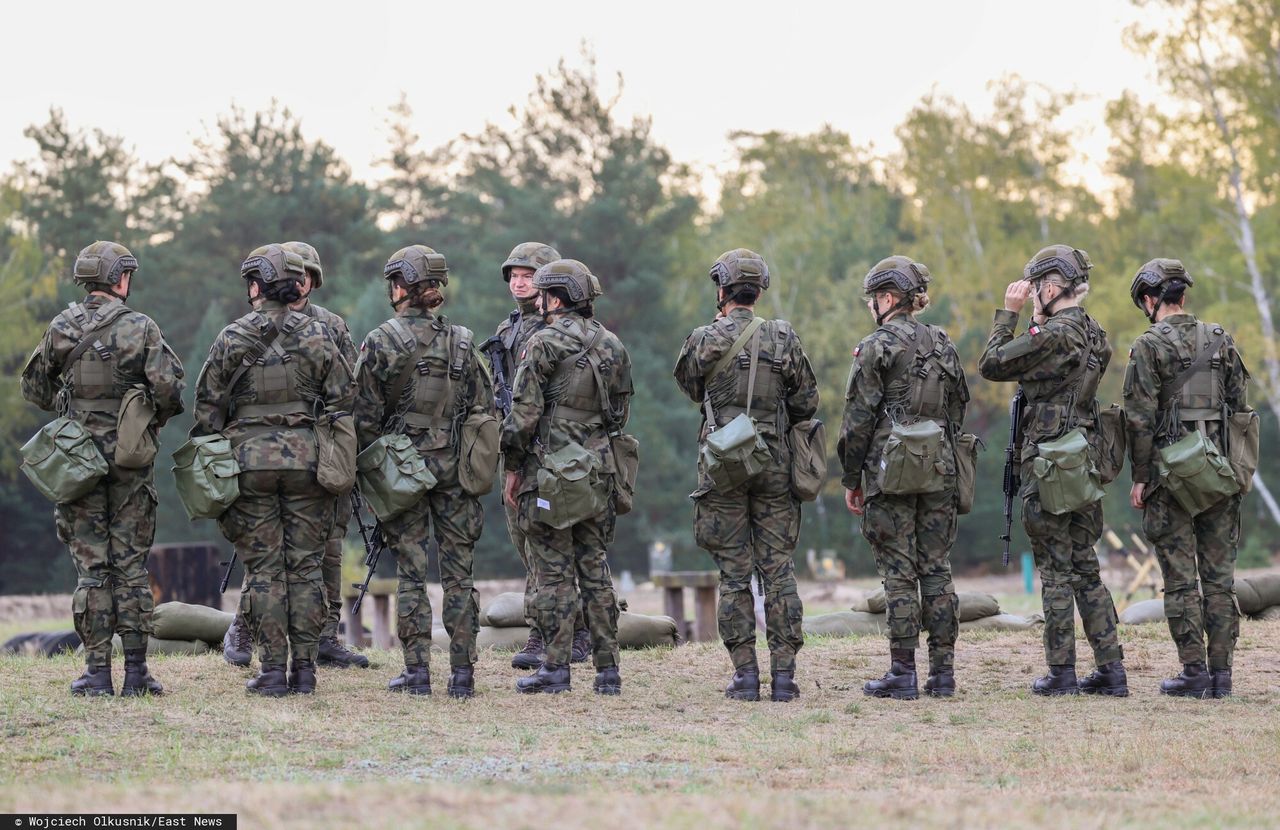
{"points": [[561, 384]]}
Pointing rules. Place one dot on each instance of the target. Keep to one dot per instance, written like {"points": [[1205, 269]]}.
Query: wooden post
{"points": [[706, 627], [382, 621], [673, 605], [186, 572]]}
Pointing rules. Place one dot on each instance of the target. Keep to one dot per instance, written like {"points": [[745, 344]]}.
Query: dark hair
{"points": [[1171, 290], [425, 295], [584, 308], [281, 291], [743, 294]]}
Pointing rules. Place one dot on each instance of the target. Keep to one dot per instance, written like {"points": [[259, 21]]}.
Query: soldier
{"points": [[1058, 362], [1162, 404], [906, 372], [236, 647], [443, 382], [753, 527], [503, 348], [266, 377], [572, 390], [92, 354]]}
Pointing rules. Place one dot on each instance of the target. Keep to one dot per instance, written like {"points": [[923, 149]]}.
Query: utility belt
{"points": [[725, 414], [93, 404], [586, 417], [421, 420], [262, 410]]}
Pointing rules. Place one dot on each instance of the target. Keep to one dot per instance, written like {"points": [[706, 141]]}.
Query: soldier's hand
{"points": [[1138, 496], [510, 488], [853, 501], [1015, 296]]}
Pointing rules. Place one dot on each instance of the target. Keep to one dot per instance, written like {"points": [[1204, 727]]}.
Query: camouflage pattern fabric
{"points": [[1041, 360], [457, 518], [109, 530], [580, 550], [910, 535], [1202, 549], [754, 528], [281, 521]]}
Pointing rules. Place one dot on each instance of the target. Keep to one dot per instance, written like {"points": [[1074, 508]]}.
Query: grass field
{"points": [[670, 752]]}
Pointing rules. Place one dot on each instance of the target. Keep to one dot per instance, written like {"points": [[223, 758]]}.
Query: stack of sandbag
{"points": [[978, 611], [1141, 613], [1259, 598], [502, 627], [181, 628]]}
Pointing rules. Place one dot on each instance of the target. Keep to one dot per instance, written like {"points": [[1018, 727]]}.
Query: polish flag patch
{"points": [[1034, 330]]}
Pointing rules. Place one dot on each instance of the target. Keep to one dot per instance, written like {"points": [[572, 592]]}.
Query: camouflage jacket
{"points": [[1154, 363], [514, 332], [137, 354], [308, 360], [338, 326], [384, 355], [795, 397], [880, 380], [531, 428], [1044, 361]]}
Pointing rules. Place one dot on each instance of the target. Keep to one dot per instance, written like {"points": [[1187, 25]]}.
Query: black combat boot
{"points": [[335, 654], [95, 682], [237, 648], [608, 681], [415, 680], [270, 682], [1220, 682], [745, 685], [137, 680], [1194, 681], [302, 677], [1107, 679], [1061, 680], [581, 646], [462, 681], [529, 657], [940, 683], [547, 679], [899, 682], [782, 686]]}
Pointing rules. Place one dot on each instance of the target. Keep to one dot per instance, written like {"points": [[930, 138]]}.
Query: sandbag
{"points": [[1247, 597], [181, 621], [1003, 622], [507, 638], [644, 631], [1268, 614], [1147, 611], [161, 646], [845, 624], [973, 605], [1265, 591], [504, 611], [871, 602], [41, 643]]}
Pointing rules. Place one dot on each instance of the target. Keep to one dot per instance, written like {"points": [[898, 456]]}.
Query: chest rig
{"points": [[92, 379], [572, 394], [750, 382], [435, 367], [269, 368], [1074, 403], [1196, 394], [916, 387]]}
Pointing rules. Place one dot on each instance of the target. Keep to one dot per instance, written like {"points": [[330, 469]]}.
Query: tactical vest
{"points": [[92, 382], [1201, 398], [438, 366], [921, 367], [572, 394], [766, 399], [1074, 403], [271, 377]]}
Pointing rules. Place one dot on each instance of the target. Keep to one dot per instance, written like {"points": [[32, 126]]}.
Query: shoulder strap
{"points": [[570, 366], [728, 356], [751, 330], [1197, 364], [91, 334], [402, 380], [250, 358]]}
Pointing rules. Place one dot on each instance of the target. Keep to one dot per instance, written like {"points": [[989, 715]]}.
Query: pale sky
{"points": [[160, 73]]}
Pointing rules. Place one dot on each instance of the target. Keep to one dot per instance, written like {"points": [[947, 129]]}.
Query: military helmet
{"points": [[896, 273], [575, 278], [271, 263], [740, 267], [310, 257], [529, 255], [1155, 274], [1072, 263], [415, 264], [103, 263]]}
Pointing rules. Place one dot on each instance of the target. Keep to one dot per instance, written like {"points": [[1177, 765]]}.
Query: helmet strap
{"points": [[1155, 309], [888, 312]]}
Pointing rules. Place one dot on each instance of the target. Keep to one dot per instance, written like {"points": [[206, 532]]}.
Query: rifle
{"points": [[1012, 468], [226, 575], [496, 351], [372, 547]]}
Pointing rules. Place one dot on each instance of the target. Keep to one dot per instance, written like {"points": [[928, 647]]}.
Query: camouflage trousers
{"points": [[521, 544], [331, 565], [1200, 550], [1070, 578], [560, 557], [753, 529], [109, 533], [278, 526], [911, 537], [455, 520]]}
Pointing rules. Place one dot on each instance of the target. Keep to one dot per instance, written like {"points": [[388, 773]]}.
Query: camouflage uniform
{"points": [[910, 535], [110, 529], [1187, 548], [283, 516], [545, 415], [448, 385], [754, 528], [1042, 360]]}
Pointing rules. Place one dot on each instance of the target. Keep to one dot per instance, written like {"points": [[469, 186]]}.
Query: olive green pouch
{"points": [[966, 470], [1242, 439], [912, 459], [734, 454], [808, 440], [1196, 473], [135, 440], [570, 489], [393, 475], [336, 451], [206, 475], [1113, 442], [626, 462], [63, 461], [1065, 474], [478, 453]]}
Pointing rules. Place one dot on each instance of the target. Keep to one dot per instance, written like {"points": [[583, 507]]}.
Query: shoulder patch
{"points": [[1034, 330], [857, 350]]}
